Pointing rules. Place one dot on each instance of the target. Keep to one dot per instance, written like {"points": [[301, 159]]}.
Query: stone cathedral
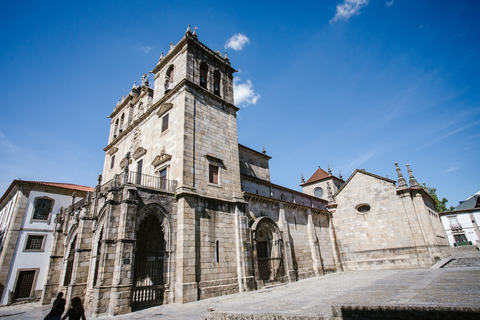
{"points": [[184, 212]]}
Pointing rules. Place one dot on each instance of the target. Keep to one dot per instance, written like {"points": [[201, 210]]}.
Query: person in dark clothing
{"points": [[76, 312], [57, 309]]}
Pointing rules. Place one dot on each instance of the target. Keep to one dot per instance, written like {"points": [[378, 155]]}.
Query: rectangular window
{"points": [[24, 285], [163, 179], [139, 171], [34, 243], [112, 161], [165, 122], [42, 209], [213, 174]]}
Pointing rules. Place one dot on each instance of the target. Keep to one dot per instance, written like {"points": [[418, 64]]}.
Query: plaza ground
{"points": [[453, 284]]}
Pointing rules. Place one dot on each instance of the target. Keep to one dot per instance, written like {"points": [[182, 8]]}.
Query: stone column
{"points": [[314, 247], [120, 296], [186, 288], [56, 262], [285, 229]]}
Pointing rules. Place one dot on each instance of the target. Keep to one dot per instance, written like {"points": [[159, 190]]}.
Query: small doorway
{"points": [[269, 247], [460, 239], [25, 280]]}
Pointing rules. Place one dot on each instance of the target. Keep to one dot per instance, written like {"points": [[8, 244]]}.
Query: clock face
{"points": [[318, 192]]}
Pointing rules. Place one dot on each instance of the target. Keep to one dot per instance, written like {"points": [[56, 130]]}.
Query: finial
{"points": [[264, 151], [118, 102], [161, 57], [99, 179], [329, 171], [329, 193], [413, 183], [401, 181], [134, 84], [188, 29], [303, 180], [195, 32], [145, 79], [319, 167], [226, 57], [340, 175], [171, 46]]}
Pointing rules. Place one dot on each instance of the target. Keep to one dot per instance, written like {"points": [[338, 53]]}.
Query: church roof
{"points": [[318, 175]]}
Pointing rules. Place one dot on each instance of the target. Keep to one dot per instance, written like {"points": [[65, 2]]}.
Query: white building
{"points": [[461, 224], [27, 215]]}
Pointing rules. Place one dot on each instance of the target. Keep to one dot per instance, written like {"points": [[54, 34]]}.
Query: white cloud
{"points": [[146, 49], [356, 163], [237, 41], [451, 169], [243, 93], [389, 3], [347, 9]]}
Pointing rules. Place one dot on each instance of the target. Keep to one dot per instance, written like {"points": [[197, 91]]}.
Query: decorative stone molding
{"points": [[124, 162], [164, 108], [140, 151], [161, 158], [214, 160], [112, 150]]}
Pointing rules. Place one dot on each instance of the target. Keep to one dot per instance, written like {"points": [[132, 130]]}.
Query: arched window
{"points": [[70, 260], [282, 197], [122, 119], [169, 79], [97, 258], [203, 75], [115, 132], [216, 82]]}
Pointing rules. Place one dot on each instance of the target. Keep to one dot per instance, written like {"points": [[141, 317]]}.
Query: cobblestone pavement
{"points": [[454, 285]]}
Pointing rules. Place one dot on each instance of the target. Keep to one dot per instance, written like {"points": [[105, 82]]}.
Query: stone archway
{"points": [[268, 250], [150, 276]]}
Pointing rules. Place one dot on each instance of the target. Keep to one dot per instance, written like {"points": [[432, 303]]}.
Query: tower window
{"points": [[216, 82], [203, 75], [115, 131], [213, 174], [122, 119], [165, 122], [169, 79], [112, 161]]}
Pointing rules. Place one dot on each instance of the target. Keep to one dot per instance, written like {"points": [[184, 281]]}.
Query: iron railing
{"points": [[136, 178]]}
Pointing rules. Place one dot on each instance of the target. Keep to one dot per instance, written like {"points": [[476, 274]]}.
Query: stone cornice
{"points": [[276, 186], [286, 204]]}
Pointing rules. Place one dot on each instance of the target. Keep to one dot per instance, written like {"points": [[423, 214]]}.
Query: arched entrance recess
{"points": [[268, 245], [150, 276]]}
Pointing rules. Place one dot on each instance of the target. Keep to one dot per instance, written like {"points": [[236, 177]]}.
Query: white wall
{"points": [[32, 259]]}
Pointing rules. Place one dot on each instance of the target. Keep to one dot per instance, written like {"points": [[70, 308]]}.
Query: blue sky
{"points": [[350, 84]]}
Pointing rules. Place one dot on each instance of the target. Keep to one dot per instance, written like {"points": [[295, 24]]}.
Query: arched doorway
{"points": [[269, 250], [150, 263]]}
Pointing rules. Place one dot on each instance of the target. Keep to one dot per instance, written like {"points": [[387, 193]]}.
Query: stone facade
{"points": [[380, 225], [183, 212]]}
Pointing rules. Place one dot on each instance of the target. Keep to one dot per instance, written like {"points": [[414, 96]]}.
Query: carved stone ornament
{"points": [[124, 162], [164, 108], [135, 139], [161, 158], [139, 152], [112, 151]]}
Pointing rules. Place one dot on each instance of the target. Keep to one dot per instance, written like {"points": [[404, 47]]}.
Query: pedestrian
{"points": [[76, 312], [57, 309]]}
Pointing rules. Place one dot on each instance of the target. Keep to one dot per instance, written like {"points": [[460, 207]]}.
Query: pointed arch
{"points": [[268, 249]]}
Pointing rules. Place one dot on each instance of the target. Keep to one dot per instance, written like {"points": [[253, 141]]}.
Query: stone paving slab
{"points": [[313, 298]]}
